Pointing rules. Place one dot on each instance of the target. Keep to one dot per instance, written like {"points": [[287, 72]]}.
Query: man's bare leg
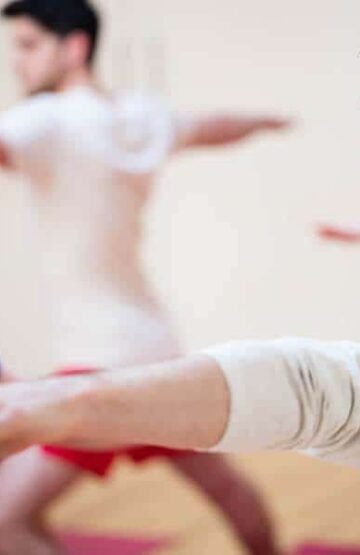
{"points": [[28, 483], [235, 496]]}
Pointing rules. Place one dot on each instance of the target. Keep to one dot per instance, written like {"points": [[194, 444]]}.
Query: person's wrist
{"points": [[60, 413], [81, 401], [87, 407]]}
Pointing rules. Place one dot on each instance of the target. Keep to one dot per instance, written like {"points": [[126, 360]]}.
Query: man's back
{"points": [[91, 162]]}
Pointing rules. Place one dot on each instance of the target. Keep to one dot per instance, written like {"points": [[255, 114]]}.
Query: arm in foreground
{"points": [[246, 396], [182, 404]]}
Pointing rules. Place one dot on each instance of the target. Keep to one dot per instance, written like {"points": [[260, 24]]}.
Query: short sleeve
{"points": [[145, 132], [27, 131]]}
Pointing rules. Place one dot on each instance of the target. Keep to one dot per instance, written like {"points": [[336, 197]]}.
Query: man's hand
{"points": [[341, 233], [43, 411]]}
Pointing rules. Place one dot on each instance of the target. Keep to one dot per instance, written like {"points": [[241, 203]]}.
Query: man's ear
{"points": [[77, 49]]}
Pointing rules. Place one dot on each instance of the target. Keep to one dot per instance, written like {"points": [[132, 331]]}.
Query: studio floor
{"points": [[309, 500]]}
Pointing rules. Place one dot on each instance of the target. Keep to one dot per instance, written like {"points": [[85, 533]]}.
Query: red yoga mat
{"points": [[86, 544], [324, 549]]}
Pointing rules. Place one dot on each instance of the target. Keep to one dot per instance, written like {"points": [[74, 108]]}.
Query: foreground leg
{"points": [[235, 497], [28, 483]]}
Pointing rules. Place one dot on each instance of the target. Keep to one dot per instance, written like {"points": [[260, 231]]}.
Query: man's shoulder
{"points": [[33, 105], [42, 101]]}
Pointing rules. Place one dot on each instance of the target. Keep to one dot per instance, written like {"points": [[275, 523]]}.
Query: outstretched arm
{"points": [[182, 404], [285, 394], [222, 129]]}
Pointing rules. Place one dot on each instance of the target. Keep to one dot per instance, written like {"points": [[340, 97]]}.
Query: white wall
{"points": [[231, 241]]}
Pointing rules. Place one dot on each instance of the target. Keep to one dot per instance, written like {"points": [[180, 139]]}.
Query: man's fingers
{"points": [[258, 125], [278, 124]]}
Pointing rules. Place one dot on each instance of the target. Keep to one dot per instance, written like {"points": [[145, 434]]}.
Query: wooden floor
{"points": [[309, 500]]}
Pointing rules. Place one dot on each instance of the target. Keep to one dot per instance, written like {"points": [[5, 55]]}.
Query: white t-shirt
{"points": [[138, 129]]}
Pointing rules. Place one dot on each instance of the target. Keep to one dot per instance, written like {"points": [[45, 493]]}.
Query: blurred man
{"points": [[91, 160]]}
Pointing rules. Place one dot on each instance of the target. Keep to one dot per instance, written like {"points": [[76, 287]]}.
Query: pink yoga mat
{"points": [[81, 544], [324, 549]]}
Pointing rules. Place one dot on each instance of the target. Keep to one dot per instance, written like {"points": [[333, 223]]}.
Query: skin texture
{"points": [[225, 129], [103, 410]]}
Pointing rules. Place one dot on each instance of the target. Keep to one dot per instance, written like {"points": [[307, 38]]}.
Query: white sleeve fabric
{"points": [[26, 131], [146, 132], [293, 394]]}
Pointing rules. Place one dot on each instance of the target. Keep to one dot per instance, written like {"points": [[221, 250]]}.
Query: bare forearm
{"points": [[223, 129], [180, 404]]}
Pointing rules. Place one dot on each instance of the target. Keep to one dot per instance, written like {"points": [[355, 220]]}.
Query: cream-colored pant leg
{"points": [[293, 394]]}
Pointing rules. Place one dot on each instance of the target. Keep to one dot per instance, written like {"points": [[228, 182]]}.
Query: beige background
{"points": [[230, 234]]}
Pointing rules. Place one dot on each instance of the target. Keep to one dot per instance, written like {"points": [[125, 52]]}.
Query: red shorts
{"points": [[99, 463]]}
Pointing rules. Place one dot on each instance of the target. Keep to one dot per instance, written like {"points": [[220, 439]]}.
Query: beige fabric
{"points": [[293, 394]]}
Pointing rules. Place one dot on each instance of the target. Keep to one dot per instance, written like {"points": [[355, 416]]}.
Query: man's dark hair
{"points": [[62, 17]]}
